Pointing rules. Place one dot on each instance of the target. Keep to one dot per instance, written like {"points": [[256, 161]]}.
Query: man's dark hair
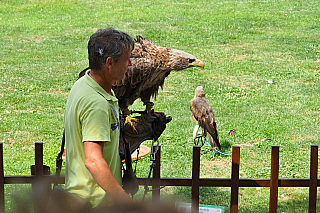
{"points": [[107, 43]]}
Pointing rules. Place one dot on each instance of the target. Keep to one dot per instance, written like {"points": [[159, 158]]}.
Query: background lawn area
{"points": [[261, 77]]}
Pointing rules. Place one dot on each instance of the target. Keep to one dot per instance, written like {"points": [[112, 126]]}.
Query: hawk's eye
{"points": [[191, 60]]}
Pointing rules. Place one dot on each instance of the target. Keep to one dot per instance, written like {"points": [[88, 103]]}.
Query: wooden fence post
{"points": [[156, 176], [195, 179], [2, 208], [235, 179], [313, 179], [38, 160], [38, 179], [274, 179]]}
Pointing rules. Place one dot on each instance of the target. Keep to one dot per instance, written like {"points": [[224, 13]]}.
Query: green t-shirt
{"points": [[89, 117]]}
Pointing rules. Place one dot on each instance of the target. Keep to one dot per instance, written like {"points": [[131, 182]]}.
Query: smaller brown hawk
{"points": [[202, 112]]}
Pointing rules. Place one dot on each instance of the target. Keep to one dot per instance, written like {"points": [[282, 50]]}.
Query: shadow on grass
{"points": [[224, 152], [226, 144]]}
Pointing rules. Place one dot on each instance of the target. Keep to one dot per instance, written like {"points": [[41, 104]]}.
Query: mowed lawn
{"points": [[261, 76]]}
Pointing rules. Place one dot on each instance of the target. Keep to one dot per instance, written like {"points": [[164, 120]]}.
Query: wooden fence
{"points": [[195, 182]]}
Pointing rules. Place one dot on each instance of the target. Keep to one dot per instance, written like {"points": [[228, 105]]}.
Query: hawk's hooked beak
{"points": [[197, 63]]}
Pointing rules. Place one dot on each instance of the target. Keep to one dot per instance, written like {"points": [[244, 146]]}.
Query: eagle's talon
{"points": [[129, 120]]}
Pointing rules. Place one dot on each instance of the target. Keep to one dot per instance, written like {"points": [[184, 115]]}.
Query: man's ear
{"points": [[109, 61]]}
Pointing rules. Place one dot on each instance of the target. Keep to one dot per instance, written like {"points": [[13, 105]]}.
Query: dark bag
{"points": [[129, 180], [62, 201]]}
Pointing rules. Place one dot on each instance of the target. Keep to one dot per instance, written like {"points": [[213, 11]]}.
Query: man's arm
{"points": [[101, 172]]}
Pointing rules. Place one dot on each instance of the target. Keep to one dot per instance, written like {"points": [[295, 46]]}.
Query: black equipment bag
{"points": [[129, 180]]}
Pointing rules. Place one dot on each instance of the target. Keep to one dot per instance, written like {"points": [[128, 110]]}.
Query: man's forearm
{"points": [[101, 172]]}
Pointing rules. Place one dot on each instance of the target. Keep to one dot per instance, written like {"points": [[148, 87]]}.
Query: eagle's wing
{"points": [[203, 113], [140, 70], [143, 47]]}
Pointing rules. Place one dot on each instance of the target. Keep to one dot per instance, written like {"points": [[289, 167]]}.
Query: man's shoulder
{"points": [[82, 89], [82, 93]]}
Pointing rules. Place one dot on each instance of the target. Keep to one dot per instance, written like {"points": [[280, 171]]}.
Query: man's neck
{"points": [[101, 80]]}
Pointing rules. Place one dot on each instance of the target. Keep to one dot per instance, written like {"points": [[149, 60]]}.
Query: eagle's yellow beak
{"points": [[197, 63]]}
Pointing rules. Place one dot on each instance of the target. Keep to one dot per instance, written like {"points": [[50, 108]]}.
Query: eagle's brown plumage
{"points": [[203, 113], [151, 64]]}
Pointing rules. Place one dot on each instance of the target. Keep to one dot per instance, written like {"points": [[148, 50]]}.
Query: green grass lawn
{"points": [[261, 77]]}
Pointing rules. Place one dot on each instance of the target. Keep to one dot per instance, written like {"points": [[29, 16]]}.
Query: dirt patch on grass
{"points": [[219, 168], [248, 144]]}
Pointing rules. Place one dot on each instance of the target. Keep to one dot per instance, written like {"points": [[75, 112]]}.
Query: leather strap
{"points": [[59, 161]]}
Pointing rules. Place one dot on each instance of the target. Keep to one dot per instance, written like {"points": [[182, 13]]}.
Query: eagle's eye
{"points": [[191, 60]]}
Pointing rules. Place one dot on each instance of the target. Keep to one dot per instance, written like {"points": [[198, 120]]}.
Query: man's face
{"points": [[120, 67]]}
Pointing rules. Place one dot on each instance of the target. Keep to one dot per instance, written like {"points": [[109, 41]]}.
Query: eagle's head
{"points": [[166, 59], [199, 92], [179, 60]]}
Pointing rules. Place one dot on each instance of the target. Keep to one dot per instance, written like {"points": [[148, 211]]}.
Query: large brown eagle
{"points": [[203, 113], [151, 64]]}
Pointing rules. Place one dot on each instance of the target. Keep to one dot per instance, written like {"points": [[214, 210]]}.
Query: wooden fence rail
{"points": [[195, 182]]}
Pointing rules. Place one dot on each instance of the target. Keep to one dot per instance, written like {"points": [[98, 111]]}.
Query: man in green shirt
{"points": [[93, 167]]}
